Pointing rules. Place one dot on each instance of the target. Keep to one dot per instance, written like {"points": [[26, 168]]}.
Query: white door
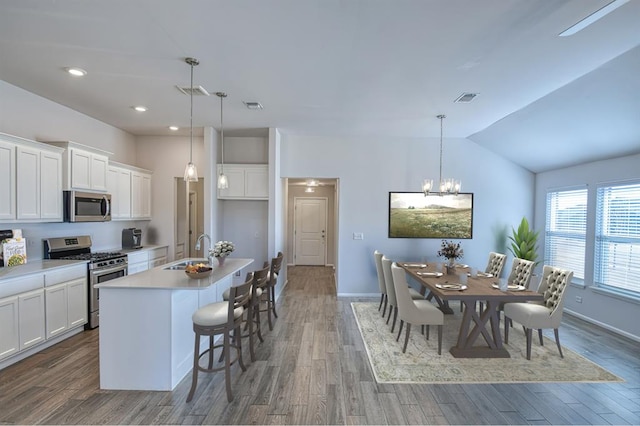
{"points": [[310, 231]]}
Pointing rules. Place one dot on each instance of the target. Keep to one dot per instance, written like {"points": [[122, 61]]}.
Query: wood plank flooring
{"points": [[313, 369]]}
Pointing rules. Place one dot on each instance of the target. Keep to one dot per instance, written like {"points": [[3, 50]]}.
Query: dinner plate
{"points": [[461, 265], [510, 287], [415, 265], [481, 275], [455, 287], [429, 274]]}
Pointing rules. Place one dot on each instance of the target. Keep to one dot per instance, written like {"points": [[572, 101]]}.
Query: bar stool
{"points": [[252, 309], [269, 297], [220, 318]]}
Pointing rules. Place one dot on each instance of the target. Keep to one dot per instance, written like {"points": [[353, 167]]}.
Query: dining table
{"points": [[478, 319]]}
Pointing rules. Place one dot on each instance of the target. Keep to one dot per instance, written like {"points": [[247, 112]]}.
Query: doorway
{"points": [[189, 217]]}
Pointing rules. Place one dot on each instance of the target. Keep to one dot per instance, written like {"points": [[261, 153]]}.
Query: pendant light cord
{"points": [[222, 131], [441, 117], [191, 119]]}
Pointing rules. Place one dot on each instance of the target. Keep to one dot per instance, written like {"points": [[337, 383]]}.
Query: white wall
{"points": [[32, 117], [369, 168], [609, 311]]}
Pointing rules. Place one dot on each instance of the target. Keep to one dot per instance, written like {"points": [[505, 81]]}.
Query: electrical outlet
{"points": [[237, 273], [578, 299], [358, 236]]}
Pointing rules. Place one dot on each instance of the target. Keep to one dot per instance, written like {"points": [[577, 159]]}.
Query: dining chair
{"points": [[495, 264], [391, 292], [220, 318], [383, 287], [415, 312], [541, 315], [521, 272]]}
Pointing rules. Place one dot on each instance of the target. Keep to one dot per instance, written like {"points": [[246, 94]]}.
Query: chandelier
{"points": [[445, 186], [223, 182], [190, 171]]}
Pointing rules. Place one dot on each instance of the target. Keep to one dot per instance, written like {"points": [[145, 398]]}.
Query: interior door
{"points": [[310, 231]]}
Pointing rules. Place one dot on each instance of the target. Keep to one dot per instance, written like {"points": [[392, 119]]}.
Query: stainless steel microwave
{"points": [[86, 206]]}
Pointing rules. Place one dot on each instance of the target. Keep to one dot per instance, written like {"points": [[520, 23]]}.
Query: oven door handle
{"points": [[95, 272]]}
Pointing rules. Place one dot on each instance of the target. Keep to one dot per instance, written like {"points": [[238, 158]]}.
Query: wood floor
{"points": [[313, 369]]}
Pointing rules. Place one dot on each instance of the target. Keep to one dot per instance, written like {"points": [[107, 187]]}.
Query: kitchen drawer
{"points": [[66, 274], [158, 253], [138, 256], [21, 285]]}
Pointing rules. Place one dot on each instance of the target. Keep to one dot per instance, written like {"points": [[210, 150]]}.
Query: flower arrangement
{"points": [[450, 250], [222, 249]]}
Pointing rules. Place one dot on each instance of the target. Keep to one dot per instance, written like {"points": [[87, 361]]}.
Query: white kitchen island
{"points": [[146, 331]]}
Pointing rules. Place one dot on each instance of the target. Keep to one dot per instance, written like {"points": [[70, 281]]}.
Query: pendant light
{"points": [[191, 172], [445, 186], [223, 182]]}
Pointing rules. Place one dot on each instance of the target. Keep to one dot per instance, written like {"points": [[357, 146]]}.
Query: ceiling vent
{"points": [[252, 105], [197, 91], [465, 98]]}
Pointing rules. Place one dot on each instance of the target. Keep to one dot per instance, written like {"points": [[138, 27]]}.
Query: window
{"points": [[617, 257], [565, 230]]}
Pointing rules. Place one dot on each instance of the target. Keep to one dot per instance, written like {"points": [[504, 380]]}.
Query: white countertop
{"points": [[35, 266], [167, 279]]}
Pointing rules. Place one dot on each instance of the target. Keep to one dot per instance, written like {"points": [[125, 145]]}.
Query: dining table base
{"points": [[474, 324]]}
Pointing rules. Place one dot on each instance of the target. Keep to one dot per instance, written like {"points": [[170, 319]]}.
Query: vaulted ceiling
{"points": [[344, 67]]}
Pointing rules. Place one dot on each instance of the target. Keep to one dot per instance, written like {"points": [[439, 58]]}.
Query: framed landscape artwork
{"points": [[414, 215]]}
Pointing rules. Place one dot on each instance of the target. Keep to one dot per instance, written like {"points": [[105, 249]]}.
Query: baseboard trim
{"points": [[603, 325], [362, 295]]}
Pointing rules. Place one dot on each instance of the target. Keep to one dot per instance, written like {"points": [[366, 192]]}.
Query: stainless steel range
{"points": [[102, 266]]}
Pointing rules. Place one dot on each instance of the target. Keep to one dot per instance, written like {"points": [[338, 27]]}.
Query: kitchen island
{"points": [[146, 331]]}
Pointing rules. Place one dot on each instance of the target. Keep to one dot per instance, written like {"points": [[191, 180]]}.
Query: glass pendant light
{"points": [[191, 171], [223, 182], [445, 186]]}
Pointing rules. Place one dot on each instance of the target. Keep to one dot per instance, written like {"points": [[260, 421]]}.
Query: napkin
{"points": [[415, 265]]}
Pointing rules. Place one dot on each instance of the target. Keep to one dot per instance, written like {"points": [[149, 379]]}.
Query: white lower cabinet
{"points": [[56, 309], [157, 257], [77, 313], [137, 262], [31, 318], [9, 337]]}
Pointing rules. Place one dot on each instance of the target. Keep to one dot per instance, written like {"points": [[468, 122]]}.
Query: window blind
{"points": [[617, 257], [565, 230]]}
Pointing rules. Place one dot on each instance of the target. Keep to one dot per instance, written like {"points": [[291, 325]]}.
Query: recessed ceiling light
{"points": [[174, 128], [76, 72], [140, 108], [252, 105]]}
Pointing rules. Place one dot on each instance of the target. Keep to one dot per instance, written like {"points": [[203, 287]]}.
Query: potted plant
{"points": [[524, 242]]}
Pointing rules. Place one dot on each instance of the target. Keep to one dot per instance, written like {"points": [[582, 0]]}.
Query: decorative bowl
{"points": [[203, 273]]}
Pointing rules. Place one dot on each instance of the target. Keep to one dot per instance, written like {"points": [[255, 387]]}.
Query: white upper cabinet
{"points": [[130, 189], [84, 167], [8, 179], [31, 173], [246, 182]]}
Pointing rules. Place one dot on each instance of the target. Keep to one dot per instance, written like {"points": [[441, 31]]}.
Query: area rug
{"points": [[422, 364]]}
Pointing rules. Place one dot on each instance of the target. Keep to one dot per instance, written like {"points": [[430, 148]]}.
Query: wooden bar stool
{"points": [[220, 318], [252, 309], [269, 296]]}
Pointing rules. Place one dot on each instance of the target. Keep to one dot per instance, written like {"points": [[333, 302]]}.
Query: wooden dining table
{"points": [[486, 323]]}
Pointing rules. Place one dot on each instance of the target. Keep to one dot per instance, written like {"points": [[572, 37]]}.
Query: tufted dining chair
{"points": [[521, 272], [377, 256], [495, 264], [540, 315], [494, 267], [415, 312], [391, 291]]}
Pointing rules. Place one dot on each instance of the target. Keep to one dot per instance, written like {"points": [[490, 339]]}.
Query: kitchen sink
{"points": [[181, 266]]}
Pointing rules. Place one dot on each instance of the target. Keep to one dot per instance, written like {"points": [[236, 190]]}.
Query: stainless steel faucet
{"points": [[209, 256]]}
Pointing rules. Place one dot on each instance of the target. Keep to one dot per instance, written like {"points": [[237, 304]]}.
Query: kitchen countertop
{"points": [[35, 266], [132, 250], [167, 279]]}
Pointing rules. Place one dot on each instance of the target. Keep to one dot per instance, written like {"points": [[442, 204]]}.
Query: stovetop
{"points": [[94, 257]]}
